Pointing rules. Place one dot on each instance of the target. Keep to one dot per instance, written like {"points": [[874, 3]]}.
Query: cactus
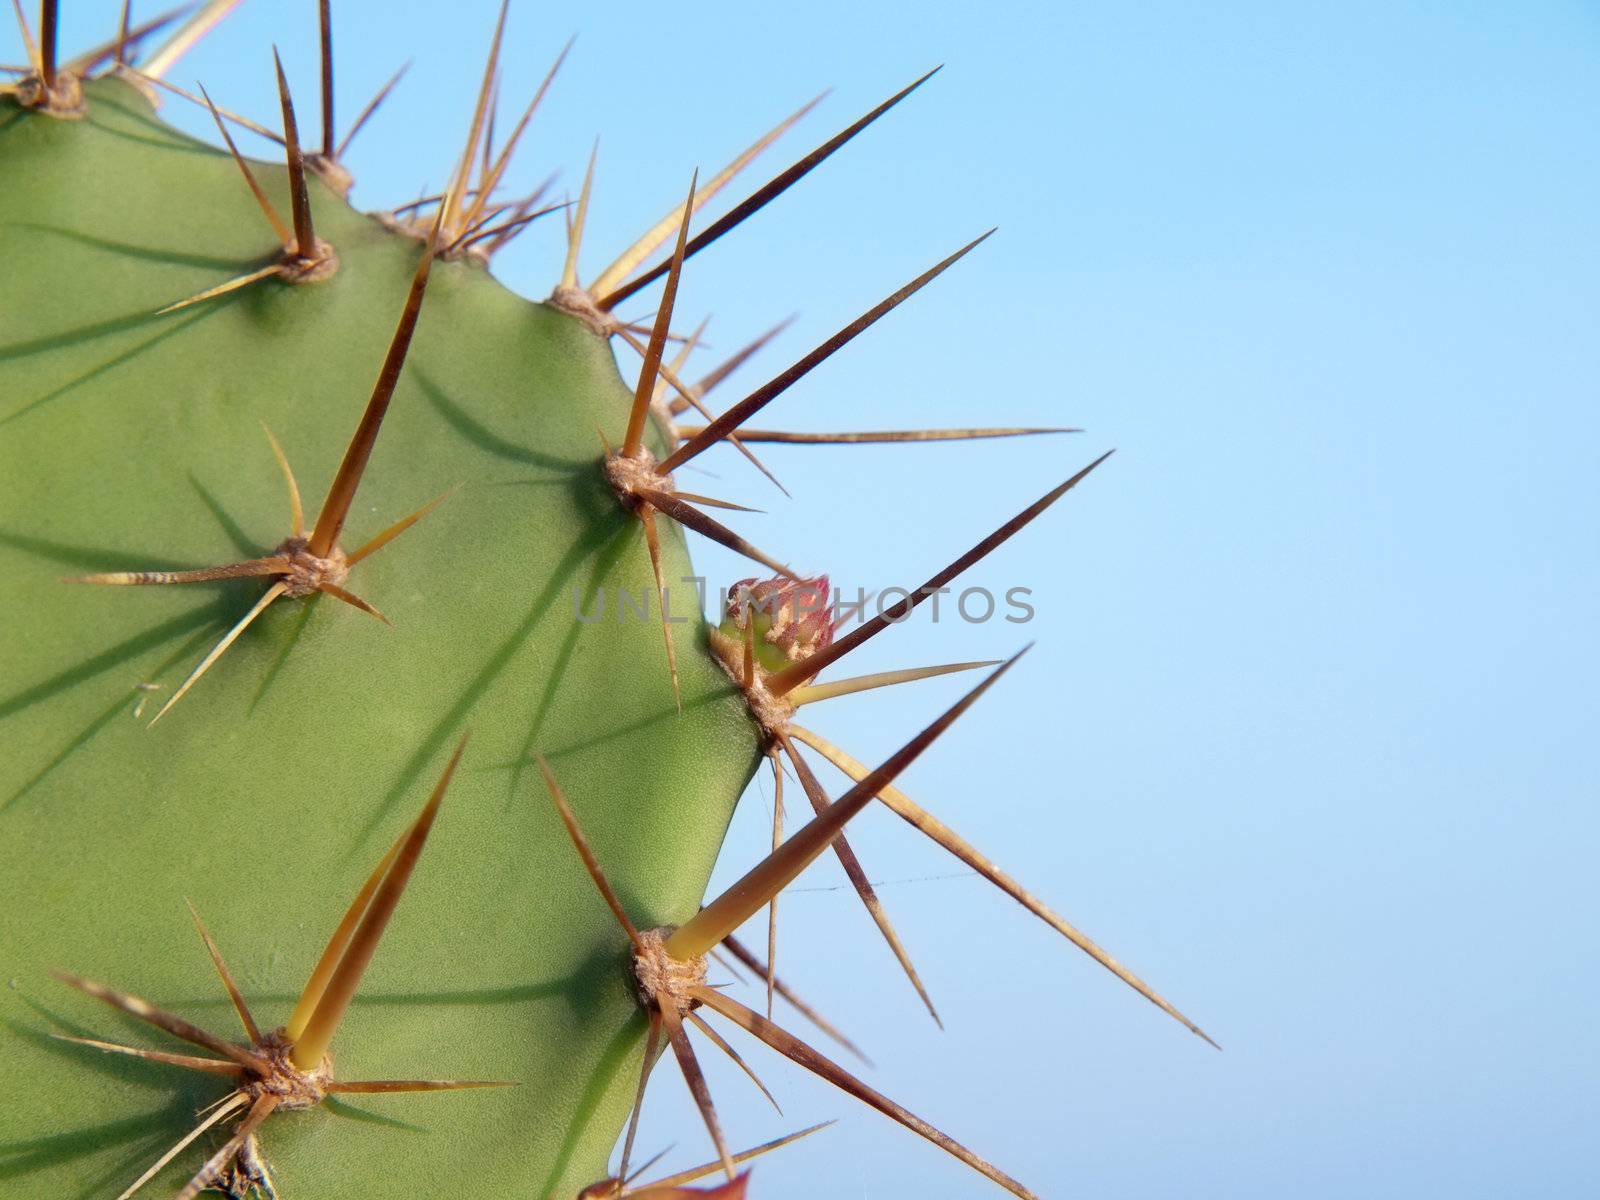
{"points": [[200, 705]]}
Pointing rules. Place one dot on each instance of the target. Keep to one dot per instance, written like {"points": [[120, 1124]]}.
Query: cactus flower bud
{"points": [[792, 620]]}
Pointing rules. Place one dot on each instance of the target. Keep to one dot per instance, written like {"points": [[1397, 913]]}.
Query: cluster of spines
{"points": [[669, 964], [466, 217], [287, 1068]]}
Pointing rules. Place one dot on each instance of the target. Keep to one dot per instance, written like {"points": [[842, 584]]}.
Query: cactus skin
{"points": [[130, 441]]}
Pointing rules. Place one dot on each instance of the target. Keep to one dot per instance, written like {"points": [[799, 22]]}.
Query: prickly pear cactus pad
{"points": [[354, 838], [133, 441]]}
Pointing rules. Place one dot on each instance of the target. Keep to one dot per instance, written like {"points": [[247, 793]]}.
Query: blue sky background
{"points": [[1309, 735]]}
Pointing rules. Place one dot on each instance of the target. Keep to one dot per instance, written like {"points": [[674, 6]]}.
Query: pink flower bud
{"points": [[792, 620]]}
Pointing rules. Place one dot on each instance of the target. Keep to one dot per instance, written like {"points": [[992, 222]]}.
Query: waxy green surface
{"points": [[131, 441]]}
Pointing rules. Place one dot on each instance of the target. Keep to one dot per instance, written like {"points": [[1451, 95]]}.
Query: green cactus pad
{"points": [[129, 441]]}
